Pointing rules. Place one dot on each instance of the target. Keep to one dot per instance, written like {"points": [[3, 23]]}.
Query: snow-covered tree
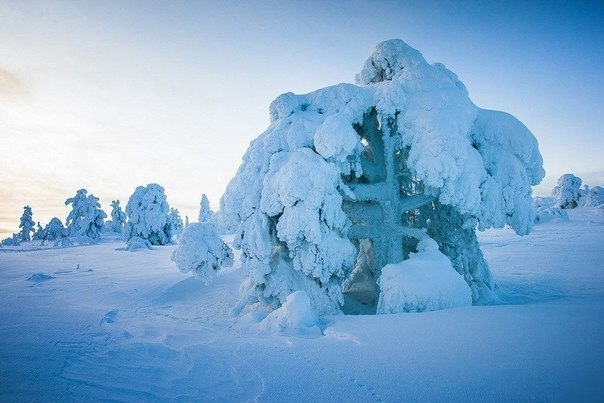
{"points": [[400, 157], [205, 212], [53, 230], [86, 219], [567, 191], [12, 240], [175, 223], [118, 217], [147, 212], [26, 224], [593, 197], [38, 234], [201, 251]]}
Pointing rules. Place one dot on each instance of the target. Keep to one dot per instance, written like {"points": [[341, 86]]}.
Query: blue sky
{"points": [[115, 94]]}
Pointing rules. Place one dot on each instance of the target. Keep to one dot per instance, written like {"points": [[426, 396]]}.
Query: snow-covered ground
{"points": [[98, 322]]}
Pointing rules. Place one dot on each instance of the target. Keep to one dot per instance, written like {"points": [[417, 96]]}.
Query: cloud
{"points": [[11, 86]]}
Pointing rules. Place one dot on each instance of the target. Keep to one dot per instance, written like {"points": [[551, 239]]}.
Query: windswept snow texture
{"points": [[286, 198], [95, 323]]}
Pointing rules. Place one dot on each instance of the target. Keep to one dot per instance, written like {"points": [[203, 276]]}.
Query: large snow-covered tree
{"points": [[26, 224], [148, 212], [86, 219], [377, 167]]}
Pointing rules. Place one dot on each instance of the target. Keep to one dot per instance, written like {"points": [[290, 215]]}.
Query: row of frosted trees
{"points": [[147, 219]]}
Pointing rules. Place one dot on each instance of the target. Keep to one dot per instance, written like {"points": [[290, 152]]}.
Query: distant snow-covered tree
{"points": [[86, 219], [147, 212], [567, 191], [26, 224], [201, 251], [205, 212], [53, 230], [175, 222], [38, 234], [593, 197], [118, 217], [12, 240], [402, 156]]}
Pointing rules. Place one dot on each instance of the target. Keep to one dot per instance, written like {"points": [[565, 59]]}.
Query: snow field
{"points": [[95, 322]]}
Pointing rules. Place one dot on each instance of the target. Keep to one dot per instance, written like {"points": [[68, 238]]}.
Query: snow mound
{"points": [[136, 243], [547, 214], [295, 318], [425, 282]]}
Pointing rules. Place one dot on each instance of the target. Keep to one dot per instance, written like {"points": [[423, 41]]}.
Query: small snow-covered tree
{"points": [[86, 219], [26, 224], [205, 212], [38, 235], [201, 251], [12, 241], [53, 230], [175, 223], [118, 217], [402, 156], [567, 191], [147, 212]]}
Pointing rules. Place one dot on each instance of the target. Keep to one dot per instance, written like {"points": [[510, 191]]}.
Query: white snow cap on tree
{"points": [[567, 191], [476, 165], [201, 251], [147, 212]]}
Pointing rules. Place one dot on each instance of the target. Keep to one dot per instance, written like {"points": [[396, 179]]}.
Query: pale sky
{"points": [[109, 95]]}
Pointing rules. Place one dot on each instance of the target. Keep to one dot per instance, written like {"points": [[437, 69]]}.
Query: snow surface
{"points": [[99, 323]]}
